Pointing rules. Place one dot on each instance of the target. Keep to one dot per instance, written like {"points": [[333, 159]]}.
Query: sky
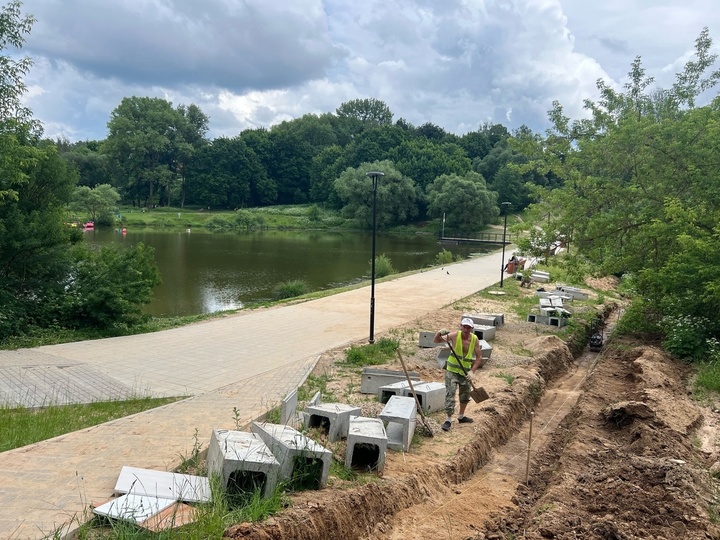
{"points": [[255, 63]]}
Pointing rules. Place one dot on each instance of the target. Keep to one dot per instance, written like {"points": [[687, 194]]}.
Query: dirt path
{"points": [[619, 451]]}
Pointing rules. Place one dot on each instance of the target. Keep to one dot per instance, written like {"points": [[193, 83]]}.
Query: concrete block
{"points": [[540, 277], [538, 319], [316, 398], [489, 319], [366, 444], [304, 464], [394, 389], [374, 378], [426, 339], [288, 407], [485, 332], [431, 396], [243, 462], [557, 321], [400, 418], [332, 418], [574, 292]]}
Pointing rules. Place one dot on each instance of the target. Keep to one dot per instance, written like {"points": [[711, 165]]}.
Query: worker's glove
{"points": [[444, 332]]}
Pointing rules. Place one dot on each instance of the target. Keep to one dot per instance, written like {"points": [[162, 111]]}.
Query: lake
{"points": [[204, 272]]}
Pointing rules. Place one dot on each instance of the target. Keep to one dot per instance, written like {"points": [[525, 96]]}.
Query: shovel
{"points": [[417, 401], [477, 394]]}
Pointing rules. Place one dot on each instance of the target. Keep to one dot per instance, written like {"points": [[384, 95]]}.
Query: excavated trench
{"points": [[611, 458]]}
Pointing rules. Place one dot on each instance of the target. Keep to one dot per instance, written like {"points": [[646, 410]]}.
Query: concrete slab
{"points": [[168, 485], [373, 378]]}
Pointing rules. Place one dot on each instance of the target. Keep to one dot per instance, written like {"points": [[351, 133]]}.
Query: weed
{"points": [[192, 462], [383, 266], [507, 377], [237, 419]]}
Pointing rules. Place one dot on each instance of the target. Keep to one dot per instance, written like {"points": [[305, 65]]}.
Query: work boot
{"points": [[465, 420], [446, 425]]}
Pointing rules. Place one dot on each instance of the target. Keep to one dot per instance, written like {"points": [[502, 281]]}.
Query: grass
{"points": [[21, 426], [372, 354], [507, 377]]}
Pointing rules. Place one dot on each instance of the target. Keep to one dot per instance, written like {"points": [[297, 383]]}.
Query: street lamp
{"points": [[506, 206], [374, 175]]}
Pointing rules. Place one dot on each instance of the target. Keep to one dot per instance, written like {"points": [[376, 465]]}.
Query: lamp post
{"points": [[374, 175], [505, 207]]}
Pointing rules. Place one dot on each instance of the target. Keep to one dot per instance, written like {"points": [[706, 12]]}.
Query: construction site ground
{"points": [[619, 447]]}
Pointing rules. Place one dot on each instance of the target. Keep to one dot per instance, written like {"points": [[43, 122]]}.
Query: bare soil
{"points": [[619, 449]]}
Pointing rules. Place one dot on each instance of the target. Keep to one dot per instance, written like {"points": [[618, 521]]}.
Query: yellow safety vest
{"points": [[467, 360]]}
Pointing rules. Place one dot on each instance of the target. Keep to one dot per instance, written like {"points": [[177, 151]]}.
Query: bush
{"points": [[685, 337], [383, 266], [291, 289], [444, 257], [218, 223]]}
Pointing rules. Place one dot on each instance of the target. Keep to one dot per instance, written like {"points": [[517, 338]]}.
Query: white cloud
{"points": [[456, 63]]}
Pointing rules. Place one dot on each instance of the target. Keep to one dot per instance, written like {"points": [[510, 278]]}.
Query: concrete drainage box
{"points": [[400, 417], [332, 418], [304, 464], [243, 462], [366, 444], [374, 378]]}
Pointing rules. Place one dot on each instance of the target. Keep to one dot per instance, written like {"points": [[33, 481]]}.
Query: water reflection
{"points": [[205, 272]]}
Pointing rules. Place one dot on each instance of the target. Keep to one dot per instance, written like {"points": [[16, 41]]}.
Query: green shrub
{"points": [[218, 223], [444, 257], [291, 289], [383, 266], [685, 337]]}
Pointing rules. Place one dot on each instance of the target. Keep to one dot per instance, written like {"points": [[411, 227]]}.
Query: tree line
{"points": [[157, 154]]}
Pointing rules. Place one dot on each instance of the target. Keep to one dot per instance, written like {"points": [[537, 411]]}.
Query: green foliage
{"points": [[507, 377], [686, 337], [312, 385], [95, 201], [372, 354], [366, 111], [444, 257], [291, 289], [639, 319], [397, 196], [383, 266], [109, 286], [465, 201], [22, 426], [640, 187]]}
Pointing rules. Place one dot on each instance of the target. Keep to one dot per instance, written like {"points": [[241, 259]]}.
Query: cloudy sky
{"points": [[253, 63]]}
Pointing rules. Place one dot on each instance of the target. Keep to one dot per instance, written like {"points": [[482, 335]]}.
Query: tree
{"points": [[398, 197], [640, 191], [149, 144], [424, 160], [465, 201], [366, 111], [95, 201]]}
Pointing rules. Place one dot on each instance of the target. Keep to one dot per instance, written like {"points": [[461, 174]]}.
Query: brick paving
{"points": [[247, 361]]}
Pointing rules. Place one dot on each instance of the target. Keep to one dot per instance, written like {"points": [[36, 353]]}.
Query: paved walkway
{"points": [[223, 364]]}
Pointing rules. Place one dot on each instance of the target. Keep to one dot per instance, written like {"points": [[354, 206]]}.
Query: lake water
{"points": [[204, 272]]}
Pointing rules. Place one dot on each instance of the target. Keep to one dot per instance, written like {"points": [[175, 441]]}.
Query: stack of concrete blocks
{"points": [[243, 462], [540, 276], [395, 389], [431, 396], [295, 453], [333, 417], [373, 379], [444, 354], [554, 294], [574, 292], [400, 417], [552, 311], [367, 443]]}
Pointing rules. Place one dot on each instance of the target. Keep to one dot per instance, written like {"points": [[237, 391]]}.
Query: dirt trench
{"points": [[614, 455]]}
